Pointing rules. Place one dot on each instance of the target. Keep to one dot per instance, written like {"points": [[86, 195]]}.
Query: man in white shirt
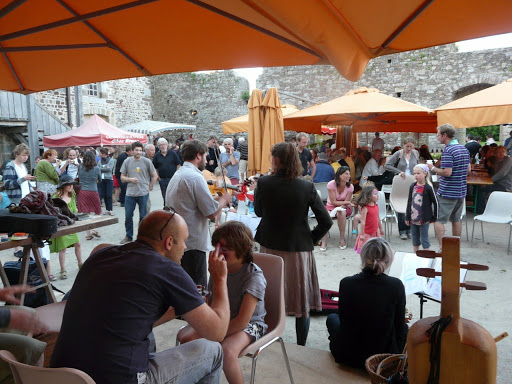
{"points": [[373, 166], [378, 143]]}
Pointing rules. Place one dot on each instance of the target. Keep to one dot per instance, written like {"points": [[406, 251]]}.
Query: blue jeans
{"points": [[163, 187], [402, 227], [198, 361], [419, 234], [105, 190], [129, 208]]}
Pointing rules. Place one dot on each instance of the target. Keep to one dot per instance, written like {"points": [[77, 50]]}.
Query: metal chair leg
{"points": [[285, 355], [473, 233], [509, 233], [467, 232]]}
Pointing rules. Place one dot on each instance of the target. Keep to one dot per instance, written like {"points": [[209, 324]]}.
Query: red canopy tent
{"points": [[95, 132]]}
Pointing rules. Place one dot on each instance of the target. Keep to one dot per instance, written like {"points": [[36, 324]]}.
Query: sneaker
{"points": [[125, 240], [18, 254], [354, 231], [403, 236]]}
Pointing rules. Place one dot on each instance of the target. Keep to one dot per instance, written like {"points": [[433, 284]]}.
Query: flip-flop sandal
{"points": [[89, 237], [94, 233], [63, 275], [52, 278]]}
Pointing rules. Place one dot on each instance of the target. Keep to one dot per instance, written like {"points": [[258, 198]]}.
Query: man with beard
{"points": [[188, 193]]}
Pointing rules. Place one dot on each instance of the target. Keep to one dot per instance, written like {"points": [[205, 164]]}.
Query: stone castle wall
{"points": [[201, 99], [120, 102]]}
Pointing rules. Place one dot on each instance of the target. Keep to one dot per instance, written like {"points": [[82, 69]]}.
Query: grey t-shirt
{"points": [[249, 279], [142, 170], [189, 195], [89, 179]]}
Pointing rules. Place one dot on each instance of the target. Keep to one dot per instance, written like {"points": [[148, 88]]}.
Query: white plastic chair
{"points": [[464, 215], [322, 190], [27, 374], [497, 211], [400, 193], [383, 212], [273, 270]]}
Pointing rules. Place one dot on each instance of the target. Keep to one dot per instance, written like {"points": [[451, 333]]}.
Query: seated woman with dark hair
{"points": [[371, 317]]}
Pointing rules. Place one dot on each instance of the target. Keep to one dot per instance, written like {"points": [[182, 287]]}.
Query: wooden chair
{"points": [[27, 374], [273, 270]]}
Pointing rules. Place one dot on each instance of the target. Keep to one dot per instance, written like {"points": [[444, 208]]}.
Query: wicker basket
{"points": [[382, 366]]}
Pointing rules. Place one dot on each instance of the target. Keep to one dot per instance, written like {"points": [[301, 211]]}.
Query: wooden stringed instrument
{"points": [[468, 352]]}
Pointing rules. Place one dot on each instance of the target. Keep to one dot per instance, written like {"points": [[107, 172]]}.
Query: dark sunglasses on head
{"points": [[167, 209]]}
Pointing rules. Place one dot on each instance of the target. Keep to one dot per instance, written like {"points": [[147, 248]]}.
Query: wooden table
{"points": [[477, 179], [30, 245]]}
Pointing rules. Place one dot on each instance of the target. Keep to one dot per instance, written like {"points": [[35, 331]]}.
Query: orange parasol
{"points": [[486, 107], [48, 44], [365, 110], [255, 137]]}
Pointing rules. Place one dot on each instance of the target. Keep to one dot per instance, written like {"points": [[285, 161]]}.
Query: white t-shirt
{"points": [[21, 171]]}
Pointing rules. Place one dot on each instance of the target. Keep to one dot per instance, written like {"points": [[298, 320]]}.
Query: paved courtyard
{"points": [[491, 308]]}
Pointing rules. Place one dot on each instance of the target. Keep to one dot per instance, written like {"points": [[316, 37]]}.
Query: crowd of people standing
{"points": [[149, 288]]}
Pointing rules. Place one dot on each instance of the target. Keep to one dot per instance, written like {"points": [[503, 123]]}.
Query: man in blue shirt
{"points": [[454, 169], [324, 170], [123, 291]]}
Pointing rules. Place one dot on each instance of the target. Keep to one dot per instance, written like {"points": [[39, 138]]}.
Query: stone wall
{"points": [[430, 77], [55, 102], [119, 102], [201, 99]]}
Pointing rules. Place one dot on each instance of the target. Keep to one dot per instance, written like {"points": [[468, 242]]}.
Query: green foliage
{"points": [[482, 131], [436, 156], [422, 55], [193, 76], [245, 96]]}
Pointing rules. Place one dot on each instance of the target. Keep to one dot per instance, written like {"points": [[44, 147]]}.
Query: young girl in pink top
{"points": [[370, 223]]}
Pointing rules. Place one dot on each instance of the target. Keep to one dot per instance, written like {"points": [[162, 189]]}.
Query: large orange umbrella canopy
{"points": [[241, 124], [273, 129], [48, 44], [256, 117], [365, 110], [487, 107]]}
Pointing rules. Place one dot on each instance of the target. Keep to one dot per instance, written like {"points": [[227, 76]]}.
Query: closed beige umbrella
{"points": [[255, 138], [241, 124], [272, 128]]}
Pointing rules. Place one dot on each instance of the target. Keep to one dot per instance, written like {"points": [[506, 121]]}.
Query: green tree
{"points": [[482, 131]]}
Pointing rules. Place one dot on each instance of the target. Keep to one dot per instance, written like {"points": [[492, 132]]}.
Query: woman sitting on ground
{"points": [[371, 317]]}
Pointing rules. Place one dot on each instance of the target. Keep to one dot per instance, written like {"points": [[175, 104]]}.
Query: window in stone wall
{"points": [[93, 89]]}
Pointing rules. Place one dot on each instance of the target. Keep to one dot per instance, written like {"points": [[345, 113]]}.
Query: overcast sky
{"points": [[498, 41]]}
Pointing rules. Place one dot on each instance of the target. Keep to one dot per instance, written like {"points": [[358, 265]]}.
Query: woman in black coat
{"points": [[282, 201], [371, 317]]}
